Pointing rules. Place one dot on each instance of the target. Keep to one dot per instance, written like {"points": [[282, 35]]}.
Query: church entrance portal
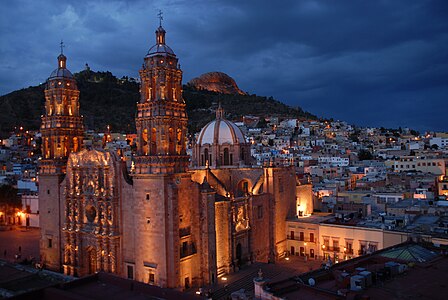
{"points": [[239, 254], [92, 260]]}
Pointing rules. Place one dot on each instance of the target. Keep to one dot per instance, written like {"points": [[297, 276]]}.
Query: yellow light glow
{"points": [[224, 279], [287, 258]]}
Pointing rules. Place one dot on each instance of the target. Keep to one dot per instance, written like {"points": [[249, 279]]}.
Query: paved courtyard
{"points": [[27, 240]]}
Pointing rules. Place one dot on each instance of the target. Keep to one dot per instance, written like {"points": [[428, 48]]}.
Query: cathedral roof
{"points": [[221, 131], [160, 48], [62, 70], [61, 73]]}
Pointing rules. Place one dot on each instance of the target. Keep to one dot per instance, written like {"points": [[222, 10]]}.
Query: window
{"points": [[260, 212], [147, 196], [302, 236], [245, 186], [130, 271], [312, 237], [152, 278], [50, 243], [48, 192], [184, 247]]}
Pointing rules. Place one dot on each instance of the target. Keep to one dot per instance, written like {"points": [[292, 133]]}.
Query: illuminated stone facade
{"points": [[164, 224], [91, 233], [62, 126], [62, 133]]}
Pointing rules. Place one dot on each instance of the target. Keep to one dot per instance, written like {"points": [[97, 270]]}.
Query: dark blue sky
{"points": [[372, 63]]}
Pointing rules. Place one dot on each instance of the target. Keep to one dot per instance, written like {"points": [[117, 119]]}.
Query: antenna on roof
{"points": [[62, 47], [160, 16]]}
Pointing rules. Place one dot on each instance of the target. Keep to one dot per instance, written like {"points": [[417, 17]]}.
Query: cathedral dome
{"points": [[62, 70], [160, 48], [61, 73], [221, 131]]}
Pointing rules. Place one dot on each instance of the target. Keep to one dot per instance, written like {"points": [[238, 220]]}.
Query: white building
{"points": [[30, 210]]}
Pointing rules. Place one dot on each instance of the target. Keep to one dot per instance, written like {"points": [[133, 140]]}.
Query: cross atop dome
{"points": [[62, 46], [160, 16], [160, 32]]}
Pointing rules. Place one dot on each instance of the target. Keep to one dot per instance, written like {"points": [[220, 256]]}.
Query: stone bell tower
{"points": [[161, 118], [62, 133], [169, 208]]}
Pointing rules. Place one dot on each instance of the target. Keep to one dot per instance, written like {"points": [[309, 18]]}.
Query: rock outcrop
{"points": [[216, 82]]}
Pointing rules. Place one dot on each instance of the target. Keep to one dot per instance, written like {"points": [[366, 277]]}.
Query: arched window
{"points": [[205, 157], [171, 141], [145, 141], [243, 188], [153, 147], [226, 157]]}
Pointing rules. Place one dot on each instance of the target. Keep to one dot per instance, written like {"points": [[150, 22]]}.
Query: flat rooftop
{"points": [[405, 271]]}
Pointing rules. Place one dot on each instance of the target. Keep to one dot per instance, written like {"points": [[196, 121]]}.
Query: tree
{"points": [[9, 200], [365, 155]]}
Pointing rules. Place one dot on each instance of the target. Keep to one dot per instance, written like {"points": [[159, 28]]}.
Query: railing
{"points": [[362, 252], [349, 251], [331, 248], [297, 238]]}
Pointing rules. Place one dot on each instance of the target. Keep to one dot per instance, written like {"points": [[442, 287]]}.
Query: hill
{"points": [[216, 82], [107, 100]]}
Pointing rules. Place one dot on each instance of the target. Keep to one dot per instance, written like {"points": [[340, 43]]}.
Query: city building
{"points": [[166, 222]]}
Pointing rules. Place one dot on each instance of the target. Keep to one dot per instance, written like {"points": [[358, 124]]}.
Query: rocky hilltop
{"points": [[216, 82], [108, 100]]}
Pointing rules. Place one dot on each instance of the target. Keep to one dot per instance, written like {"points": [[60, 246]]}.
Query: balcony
{"points": [[349, 251], [305, 240], [331, 248]]}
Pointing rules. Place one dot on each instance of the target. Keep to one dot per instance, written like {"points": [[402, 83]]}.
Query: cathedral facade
{"points": [[174, 221]]}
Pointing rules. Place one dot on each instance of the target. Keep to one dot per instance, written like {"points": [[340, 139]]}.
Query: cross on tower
{"points": [[62, 47], [160, 15]]}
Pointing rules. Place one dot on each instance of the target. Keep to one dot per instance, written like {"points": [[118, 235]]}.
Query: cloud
{"points": [[336, 59]]}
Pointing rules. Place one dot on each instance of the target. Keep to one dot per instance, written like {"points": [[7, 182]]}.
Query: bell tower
{"points": [[62, 126], [62, 133], [161, 118]]}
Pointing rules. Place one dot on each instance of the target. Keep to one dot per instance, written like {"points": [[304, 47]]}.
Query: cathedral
{"points": [[173, 220]]}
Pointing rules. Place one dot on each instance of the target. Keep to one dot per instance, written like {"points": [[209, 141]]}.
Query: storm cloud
{"points": [[371, 63]]}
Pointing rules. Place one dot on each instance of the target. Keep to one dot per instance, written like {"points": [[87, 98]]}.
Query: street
{"points": [[27, 240]]}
